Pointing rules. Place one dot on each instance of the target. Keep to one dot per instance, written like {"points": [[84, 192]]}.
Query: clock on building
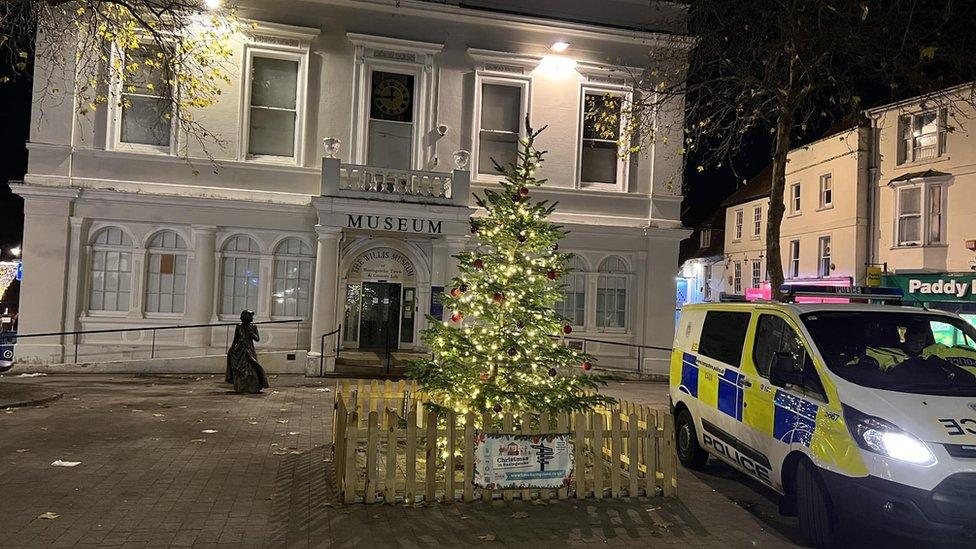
{"points": [[392, 97]]}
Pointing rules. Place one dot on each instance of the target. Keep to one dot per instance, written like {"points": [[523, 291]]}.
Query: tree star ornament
{"points": [[502, 356]]}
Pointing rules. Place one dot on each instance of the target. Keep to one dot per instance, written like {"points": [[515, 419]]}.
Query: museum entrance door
{"points": [[379, 326]]}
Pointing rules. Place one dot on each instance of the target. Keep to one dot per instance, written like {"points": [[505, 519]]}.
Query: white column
{"points": [[76, 275], [265, 265], [137, 292], [325, 291], [200, 284]]}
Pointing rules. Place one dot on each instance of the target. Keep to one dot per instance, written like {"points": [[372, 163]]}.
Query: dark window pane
{"points": [[723, 336]]}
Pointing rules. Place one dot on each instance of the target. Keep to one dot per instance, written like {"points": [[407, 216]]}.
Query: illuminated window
{"points": [[111, 271], [240, 275], [292, 279], [166, 273], [611, 294]]}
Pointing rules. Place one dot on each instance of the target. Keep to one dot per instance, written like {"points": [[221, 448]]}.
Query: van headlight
{"points": [[882, 437]]}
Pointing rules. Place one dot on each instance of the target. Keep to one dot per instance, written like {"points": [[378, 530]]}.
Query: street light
{"points": [[15, 251]]}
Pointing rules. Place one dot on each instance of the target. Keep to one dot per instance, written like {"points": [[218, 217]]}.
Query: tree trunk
{"points": [[774, 257]]}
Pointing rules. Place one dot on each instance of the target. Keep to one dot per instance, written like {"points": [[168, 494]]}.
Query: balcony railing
{"points": [[372, 183]]}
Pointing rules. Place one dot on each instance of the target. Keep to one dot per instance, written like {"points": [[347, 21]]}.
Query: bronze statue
{"points": [[243, 369]]}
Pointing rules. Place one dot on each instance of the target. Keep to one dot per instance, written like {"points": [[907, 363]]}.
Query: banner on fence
{"points": [[522, 461]]}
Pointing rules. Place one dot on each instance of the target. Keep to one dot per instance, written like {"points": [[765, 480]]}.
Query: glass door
{"points": [[380, 315], [407, 317], [350, 323]]}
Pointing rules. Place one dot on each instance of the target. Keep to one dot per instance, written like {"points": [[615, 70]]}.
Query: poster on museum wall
{"points": [[436, 304], [522, 461]]}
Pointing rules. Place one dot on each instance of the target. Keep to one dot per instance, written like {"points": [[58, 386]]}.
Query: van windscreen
{"points": [[906, 352], [723, 335]]}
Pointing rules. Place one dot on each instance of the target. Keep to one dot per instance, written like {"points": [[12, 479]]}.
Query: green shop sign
{"points": [[945, 287]]}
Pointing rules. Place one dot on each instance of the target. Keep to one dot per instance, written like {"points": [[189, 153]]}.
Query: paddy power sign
{"points": [[945, 287]]}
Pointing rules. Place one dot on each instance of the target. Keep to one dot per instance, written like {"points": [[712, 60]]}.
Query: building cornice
{"points": [[513, 21]]}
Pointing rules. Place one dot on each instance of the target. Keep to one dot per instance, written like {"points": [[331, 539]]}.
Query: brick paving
{"points": [[150, 476]]}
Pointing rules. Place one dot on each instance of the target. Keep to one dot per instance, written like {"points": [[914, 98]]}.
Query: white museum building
{"points": [[121, 231]]}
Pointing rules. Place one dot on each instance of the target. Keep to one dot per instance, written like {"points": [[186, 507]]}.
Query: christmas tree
{"points": [[500, 350]]}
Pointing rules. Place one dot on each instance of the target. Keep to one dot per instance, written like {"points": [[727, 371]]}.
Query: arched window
{"points": [[166, 277], [573, 302], [241, 274], [111, 271], [292, 278], [611, 294]]}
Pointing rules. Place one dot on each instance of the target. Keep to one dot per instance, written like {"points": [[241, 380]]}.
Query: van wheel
{"points": [[690, 454], [817, 522]]}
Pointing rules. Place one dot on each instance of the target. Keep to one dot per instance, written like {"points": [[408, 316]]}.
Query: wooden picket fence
{"points": [[388, 448]]}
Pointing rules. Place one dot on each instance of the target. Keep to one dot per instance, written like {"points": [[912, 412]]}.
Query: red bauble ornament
{"points": [[463, 287], [516, 197], [567, 329], [498, 297], [456, 317], [551, 275], [455, 292], [552, 372], [483, 376], [512, 351], [478, 264], [521, 238], [497, 408], [524, 191], [586, 365]]}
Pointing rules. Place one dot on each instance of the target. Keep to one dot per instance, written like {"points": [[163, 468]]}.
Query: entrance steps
{"points": [[373, 364]]}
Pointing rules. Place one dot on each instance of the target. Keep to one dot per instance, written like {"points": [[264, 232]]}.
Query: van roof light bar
{"points": [[869, 293]]}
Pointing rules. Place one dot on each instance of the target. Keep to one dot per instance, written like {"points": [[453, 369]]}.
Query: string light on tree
{"points": [[501, 352]]}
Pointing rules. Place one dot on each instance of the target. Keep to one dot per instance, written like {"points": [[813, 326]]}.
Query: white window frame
{"points": [[623, 164], [707, 282], [114, 131], [925, 188], [179, 252], [603, 279], [756, 221], [737, 278], [908, 152], [524, 83], [796, 196], [299, 258], [706, 238], [824, 259], [225, 255], [738, 216], [95, 248], [756, 273], [378, 53], [575, 281], [826, 187], [299, 54], [794, 265]]}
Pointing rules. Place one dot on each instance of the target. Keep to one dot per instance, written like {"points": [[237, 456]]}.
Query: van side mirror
{"points": [[783, 370]]}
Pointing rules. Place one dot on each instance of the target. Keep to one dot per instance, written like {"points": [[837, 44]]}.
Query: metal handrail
{"points": [[322, 349], [16, 336], [638, 346]]}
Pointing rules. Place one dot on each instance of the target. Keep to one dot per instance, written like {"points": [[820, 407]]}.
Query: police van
{"points": [[852, 410]]}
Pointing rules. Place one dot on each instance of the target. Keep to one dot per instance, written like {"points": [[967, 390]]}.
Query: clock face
{"points": [[391, 97]]}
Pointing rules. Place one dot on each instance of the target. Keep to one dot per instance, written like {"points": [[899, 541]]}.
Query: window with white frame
{"points": [[240, 275], [274, 104], [145, 107], [292, 278], [826, 190], [756, 273], [166, 273], [910, 216], [573, 303], [823, 268], [738, 224], [502, 104], [756, 220], [920, 219], [794, 271], [795, 198], [706, 238], [737, 278], [923, 135], [391, 119], [611, 294], [601, 164], [935, 214], [110, 282]]}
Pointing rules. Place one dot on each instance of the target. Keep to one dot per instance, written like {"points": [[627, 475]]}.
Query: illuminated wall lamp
{"points": [[559, 47]]}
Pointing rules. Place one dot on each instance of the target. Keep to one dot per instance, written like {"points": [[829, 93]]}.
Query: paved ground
{"points": [[150, 475]]}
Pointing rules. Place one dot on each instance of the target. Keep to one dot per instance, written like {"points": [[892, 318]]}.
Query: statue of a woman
{"points": [[243, 369]]}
